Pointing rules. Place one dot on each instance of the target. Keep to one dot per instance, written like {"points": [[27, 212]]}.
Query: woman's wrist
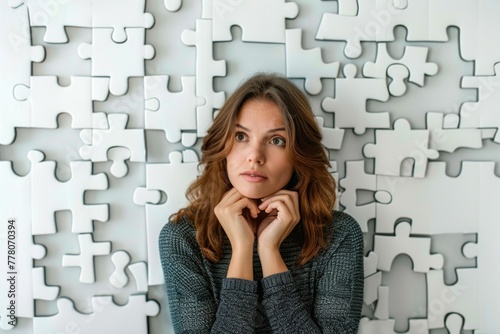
{"points": [[271, 261], [241, 264]]}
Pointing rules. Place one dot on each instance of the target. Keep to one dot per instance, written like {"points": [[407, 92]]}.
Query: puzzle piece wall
{"points": [[409, 117]]}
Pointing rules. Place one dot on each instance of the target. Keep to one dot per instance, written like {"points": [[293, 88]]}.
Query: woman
{"points": [[259, 247]]}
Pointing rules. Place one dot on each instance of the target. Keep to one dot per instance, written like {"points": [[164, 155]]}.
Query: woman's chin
{"points": [[253, 194]]}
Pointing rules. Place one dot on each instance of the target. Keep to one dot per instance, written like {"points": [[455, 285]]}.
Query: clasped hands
{"points": [[270, 221]]}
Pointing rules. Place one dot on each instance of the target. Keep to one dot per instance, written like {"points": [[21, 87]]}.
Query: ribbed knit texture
{"points": [[323, 296]]}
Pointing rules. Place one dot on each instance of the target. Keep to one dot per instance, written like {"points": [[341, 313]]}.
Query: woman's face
{"points": [[257, 164]]}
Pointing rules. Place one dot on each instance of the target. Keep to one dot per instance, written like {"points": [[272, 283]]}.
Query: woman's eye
{"points": [[240, 136], [278, 141]]}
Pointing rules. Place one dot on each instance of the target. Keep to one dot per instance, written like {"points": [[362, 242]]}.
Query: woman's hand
{"points": [[241, 233], [283, 212]]}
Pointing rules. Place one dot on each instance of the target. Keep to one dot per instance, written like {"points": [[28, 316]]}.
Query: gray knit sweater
{"points": [[323, 296]]}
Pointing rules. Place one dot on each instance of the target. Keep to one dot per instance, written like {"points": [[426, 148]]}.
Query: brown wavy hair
{"points": [[311, 179]]}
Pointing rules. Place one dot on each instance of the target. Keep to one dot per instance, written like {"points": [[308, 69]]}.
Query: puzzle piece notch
{"points": [[446, 136], [172, 5], [100, 141], [296, 57], [350, 111], [171, 112], [85, 260], [119, 277], [119, 15], [271, 27], [103, 53], [417, 248], [64, 195], [410, 144], [206, 69]]}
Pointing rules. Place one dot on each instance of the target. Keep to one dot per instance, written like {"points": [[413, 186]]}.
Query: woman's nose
{"points": [[256, 154]]}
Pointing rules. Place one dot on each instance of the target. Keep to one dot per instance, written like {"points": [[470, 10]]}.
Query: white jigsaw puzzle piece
{"points": [[357, 179], [130, 63], [404, 142], [56, 15], [140, 272], [350, 110], [119, 277], [206, 69], [106, 318], [85, 260], [67, 195], [462, 297], [40, 289], [245, 14], [446, 136], [414, 59], [181, 172], [367, 326], [483, 113], [15, 69], [332, 137], [120, 14], [440, 199], [75, 99], [167, 111], [99, 141], [296, 57], [417, 248]]}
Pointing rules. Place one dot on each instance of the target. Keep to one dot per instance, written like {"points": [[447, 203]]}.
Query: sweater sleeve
{"points": [[339, 289], [192, 301]]}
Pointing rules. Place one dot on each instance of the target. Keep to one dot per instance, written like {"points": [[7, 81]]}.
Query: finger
{"points": [[245, 202], [290, 200]]}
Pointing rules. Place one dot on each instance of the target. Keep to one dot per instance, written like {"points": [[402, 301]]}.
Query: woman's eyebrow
{"points": [[271, 130]]}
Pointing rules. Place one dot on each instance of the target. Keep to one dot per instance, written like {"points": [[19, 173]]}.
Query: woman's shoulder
{"points": [[344, 226], [178, 233]]}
